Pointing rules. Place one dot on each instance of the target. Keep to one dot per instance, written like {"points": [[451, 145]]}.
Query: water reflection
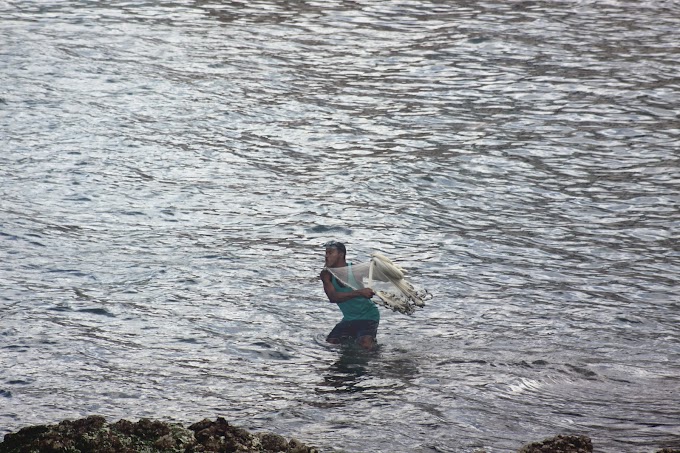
{"points": [[357, 370], [350, 369]]}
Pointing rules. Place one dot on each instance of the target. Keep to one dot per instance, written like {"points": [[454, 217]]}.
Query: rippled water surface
{"points": [[168, 170]]}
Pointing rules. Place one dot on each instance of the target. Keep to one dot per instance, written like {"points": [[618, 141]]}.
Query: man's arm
{"points": [[337, 297]]}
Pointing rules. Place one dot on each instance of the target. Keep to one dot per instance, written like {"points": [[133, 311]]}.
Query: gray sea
{"points": [[170, 169]]}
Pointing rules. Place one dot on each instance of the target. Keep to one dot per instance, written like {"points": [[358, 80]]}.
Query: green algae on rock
{"points": [[95, 434]]}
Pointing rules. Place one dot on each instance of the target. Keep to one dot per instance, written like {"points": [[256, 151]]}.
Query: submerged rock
{"points": [[94, 434]]}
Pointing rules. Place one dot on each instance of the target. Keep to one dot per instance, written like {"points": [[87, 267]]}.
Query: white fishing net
{"points": [[386, 279]]}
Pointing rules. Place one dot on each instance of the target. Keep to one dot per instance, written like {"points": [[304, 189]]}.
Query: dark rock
{"points": [[560, 444], [93, 434], [273, 442], [15, 440]]}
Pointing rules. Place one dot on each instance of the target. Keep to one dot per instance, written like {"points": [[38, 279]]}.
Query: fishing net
{"points": [[386, 279]]}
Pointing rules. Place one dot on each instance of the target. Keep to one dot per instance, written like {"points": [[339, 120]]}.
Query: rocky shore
{"points": [[94, 434]]}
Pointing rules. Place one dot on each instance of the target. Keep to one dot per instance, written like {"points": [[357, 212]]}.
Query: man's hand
{"points": [[366, 292]]}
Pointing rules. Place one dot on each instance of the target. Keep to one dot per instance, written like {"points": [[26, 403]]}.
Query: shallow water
{"points": [[169, 170]]}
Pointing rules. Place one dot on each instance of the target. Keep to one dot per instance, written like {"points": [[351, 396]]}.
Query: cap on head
{"points": [[336, 245]]}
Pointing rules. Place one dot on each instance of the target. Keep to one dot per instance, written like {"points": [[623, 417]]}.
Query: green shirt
{"points": [[357, 308]]}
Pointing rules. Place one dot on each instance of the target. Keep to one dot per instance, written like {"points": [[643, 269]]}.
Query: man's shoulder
{"points": [[325, 274]]}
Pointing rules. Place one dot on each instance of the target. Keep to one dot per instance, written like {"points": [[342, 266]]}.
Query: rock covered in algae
{"points": [[94, 434], [560, 444], [570, 444]]}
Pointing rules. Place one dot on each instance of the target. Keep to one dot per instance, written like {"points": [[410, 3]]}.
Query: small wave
{"points": [[97, 311]]}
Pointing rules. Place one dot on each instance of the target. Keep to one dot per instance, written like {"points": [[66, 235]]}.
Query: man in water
{"points": [[360, 315]]}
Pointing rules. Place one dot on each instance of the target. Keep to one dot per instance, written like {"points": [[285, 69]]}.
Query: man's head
{"points": [[335, 254]]}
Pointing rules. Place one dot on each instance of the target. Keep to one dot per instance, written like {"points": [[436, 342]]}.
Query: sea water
{"points": [[169, 170]]}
